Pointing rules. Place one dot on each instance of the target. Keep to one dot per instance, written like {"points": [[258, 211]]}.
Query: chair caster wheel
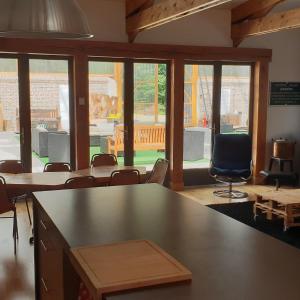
{"points": [[31, 240]]}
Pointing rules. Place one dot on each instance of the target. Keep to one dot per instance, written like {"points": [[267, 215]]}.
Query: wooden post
{"points": [[129, 112], [119, 80], [177, 121], [195, 77], [2, 127], [156, 94], [81, 80], [260, 107], [25, 112]]}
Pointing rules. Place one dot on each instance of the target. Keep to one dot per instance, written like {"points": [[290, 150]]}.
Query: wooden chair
{"points": [[103, 159], [125, 177], [15, 167], [11, 166], [57, 167], [8, 206], [159, 172], [80, 182]]}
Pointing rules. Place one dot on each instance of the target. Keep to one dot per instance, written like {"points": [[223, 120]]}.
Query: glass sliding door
{"points": [[9, 110], [235, 99], [150, 104], [106, 108], [50, 111], [198, 115]]}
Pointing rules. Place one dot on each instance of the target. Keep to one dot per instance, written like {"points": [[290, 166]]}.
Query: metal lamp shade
{"points": [[43, 19]]}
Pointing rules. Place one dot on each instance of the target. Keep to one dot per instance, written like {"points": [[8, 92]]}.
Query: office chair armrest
{"points": [[251, 172], [210, 168]]}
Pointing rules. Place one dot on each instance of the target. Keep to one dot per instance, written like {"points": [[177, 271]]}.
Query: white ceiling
{"points": [[287, 4]]}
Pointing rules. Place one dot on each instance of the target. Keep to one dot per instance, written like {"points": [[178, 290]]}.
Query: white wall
{"points": [[107, 23], [211, 28], [283, 121], [106, 19]]}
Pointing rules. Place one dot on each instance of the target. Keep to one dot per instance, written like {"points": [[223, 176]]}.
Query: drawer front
{"points": [[46, 292], [50, 259]]}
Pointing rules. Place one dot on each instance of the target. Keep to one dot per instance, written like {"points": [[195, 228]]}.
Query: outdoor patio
{"points": [[10, 149]]}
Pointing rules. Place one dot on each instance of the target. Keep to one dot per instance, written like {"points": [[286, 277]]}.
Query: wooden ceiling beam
{"points": [[133, 6], [273, 23], [252, 9], [167, 11]]}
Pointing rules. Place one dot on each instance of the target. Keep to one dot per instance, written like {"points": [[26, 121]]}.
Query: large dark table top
{"points": [[228, 259]]}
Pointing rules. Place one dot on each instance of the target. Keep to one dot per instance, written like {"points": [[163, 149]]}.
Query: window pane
{"points": [[9, 110], [198, 91], [150, 81], [106, 108], [235, 99], [50, 123]]}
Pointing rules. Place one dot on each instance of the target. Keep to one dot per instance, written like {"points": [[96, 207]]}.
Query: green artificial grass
{"points": [[141, 158], [44, 160]]}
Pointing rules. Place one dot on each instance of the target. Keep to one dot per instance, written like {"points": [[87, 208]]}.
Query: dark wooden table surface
{"points": [[44, 181], [228, 260]]}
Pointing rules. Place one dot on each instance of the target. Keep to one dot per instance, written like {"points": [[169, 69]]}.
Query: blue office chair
{"points": [[231, 162]]}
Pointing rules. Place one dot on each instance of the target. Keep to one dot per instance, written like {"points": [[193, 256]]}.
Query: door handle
{"points": [[125, 130], [44, 285], [22, 136]]}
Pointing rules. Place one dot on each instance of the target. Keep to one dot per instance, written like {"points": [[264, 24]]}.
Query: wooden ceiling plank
{"points": [[167, 11], [273, 23], [253, 9], [133, 6]]}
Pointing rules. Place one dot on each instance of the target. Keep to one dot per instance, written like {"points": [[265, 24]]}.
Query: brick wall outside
{"points": [[44, 91]]}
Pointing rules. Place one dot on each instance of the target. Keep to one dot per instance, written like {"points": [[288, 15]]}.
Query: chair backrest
{"points": [[11, 166], [232, 152], [5, 204], [103, 159], [57, 167], [80, 182], [125, 177], [159, 172]]}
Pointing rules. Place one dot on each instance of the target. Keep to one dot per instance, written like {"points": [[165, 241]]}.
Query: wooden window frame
{"points": [[192, 176], [25, 104], [129, 101], [177, 55]]}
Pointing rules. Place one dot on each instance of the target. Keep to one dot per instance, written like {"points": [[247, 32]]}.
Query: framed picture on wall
{"points": [[285, 93]]}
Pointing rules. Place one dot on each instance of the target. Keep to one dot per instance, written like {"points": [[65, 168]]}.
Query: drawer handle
{"points": [[43, 225], [44, 246], [44, 285]]}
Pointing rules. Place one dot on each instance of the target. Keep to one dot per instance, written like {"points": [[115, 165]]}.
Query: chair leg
{"points": [[28, 211], [230, 193], [17, 228], [15, 231]]}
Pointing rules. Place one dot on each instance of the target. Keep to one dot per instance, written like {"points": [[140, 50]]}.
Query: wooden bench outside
{"points": [[50, 118], [146, 137]]}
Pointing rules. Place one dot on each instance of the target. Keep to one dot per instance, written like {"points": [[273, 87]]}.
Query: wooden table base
{"points": [[279, 204]]}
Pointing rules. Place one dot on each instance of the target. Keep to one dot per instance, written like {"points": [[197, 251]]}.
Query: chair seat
{"points": [[235, 173]]}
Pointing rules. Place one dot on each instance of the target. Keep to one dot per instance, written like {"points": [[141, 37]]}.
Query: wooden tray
{"points": [[127, 265]]}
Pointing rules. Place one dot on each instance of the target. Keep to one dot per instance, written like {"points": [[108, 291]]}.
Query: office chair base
{"points": [[232, 194]]}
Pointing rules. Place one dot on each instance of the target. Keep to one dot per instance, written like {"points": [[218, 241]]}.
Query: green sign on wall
{"points": [[285, 93]]}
